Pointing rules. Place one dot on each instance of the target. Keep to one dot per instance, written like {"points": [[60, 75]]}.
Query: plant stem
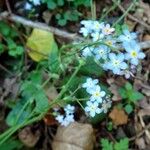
{"points": [[12, 130]]}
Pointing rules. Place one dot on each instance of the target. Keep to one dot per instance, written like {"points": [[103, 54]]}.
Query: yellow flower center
{"points": [[116, 62], [109, 43], [97, 94], [107, 30], [134, 53]]}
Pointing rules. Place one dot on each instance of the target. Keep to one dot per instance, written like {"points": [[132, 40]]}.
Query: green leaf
{"points": [[123, 93], [60, 2], [51, 4], [53, 61], [62, 22], [106, 145], [41, 101], [91, 68], [135, 96], [11, 144], [128, 86], [123, 144], [13, 118], [36, 77], [4, 28], [128, 108]]}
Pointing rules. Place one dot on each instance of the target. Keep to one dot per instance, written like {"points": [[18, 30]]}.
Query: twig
{"points": [[5, 69], [132, 17], [26, 22], [8, 6], [56, 31], [140, 133]]}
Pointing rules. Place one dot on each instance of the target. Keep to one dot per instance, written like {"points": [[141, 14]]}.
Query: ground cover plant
{"points": [[74, 74]]}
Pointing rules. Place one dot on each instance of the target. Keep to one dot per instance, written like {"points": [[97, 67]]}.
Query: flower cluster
{"points": [[98, 101], [120, 62], [28, 6], [68, 117]]}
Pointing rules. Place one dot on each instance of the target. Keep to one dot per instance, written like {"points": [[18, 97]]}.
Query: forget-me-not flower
{"points": [[97, 94], [133, 52], [97, 36], [90, 84], [86, 30], [92, 108], [127, 36], [101, 52], [107, 30], [110, 41], [36, 2], [116, 63], [87, 51], [69, 109], [97, 27]]}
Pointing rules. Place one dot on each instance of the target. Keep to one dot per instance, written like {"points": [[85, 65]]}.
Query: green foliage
{"points": [[91, 68], [106, 145], [128, 108], [9, 35], [11, 144], [15, 117], [71, 7], [123, 144], [128, 92], [130, 96]]}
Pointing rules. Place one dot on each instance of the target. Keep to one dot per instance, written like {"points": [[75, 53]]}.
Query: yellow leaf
{"points": [[40, 44]]}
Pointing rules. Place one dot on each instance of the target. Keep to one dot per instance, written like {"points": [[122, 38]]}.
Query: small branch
{"points": [[34, 24], [132, 17], [56, 31], [8, 6], [140, 133]]}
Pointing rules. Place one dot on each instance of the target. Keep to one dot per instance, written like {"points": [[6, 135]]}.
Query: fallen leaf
{"points": [[40, 44], [76, 136], [28, 138], [146, 37], [140, 143], [118, 116]]}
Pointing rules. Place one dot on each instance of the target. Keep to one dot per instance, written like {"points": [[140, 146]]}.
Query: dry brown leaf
{"points": [[146, 37], [28, 138], [118, 116], [76, 136]]}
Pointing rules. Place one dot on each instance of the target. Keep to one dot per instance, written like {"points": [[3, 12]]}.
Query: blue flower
{"points": [[97, 27], [90, 84], [36, 2], [116, 63], [133, 52], [97, 36], [127, 36], [86, 30], [107, 30], [101, 52], [69, 109], [110, 41], [96, 94], [87, 51], [92, 108]]}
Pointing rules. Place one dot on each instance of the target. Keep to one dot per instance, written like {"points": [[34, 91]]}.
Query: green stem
{"points": [[11, 131], [125, 14]]}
